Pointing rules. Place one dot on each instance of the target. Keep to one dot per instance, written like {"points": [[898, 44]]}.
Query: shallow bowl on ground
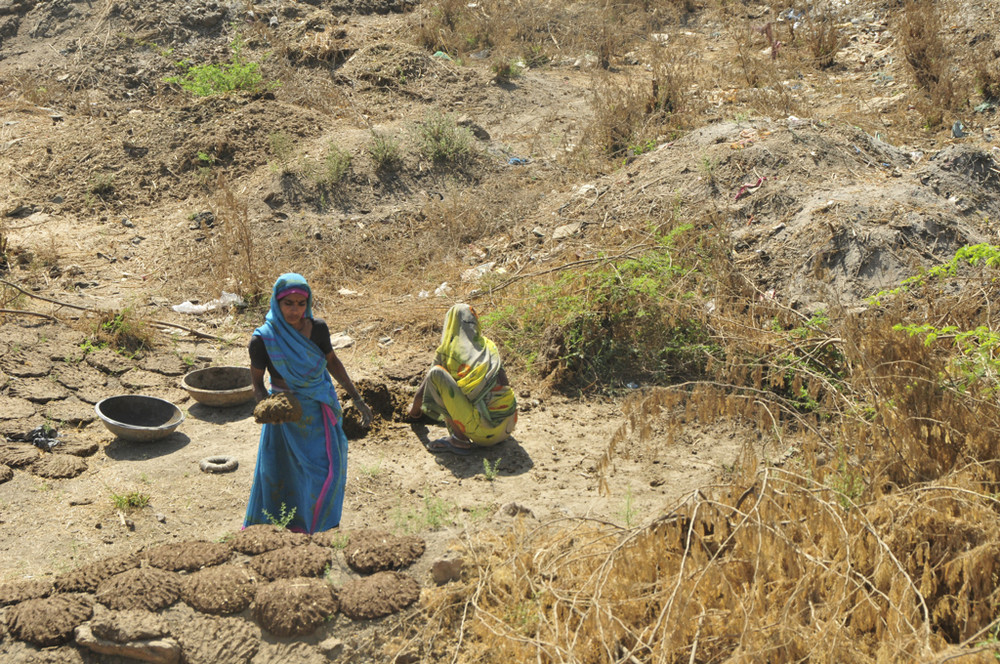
{"points": [[139, 418], [219, 386]]}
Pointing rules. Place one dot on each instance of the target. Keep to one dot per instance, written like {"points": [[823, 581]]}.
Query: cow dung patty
{"points": [[146, 588], [58, 466], [278, 408], [217, 640], [222, 589], [291, 561], [18, 455], [49, 621], [263, 537], [378, 595], [13, 592], [87, 577], [188, 556], [371, 551], [294, 607]]}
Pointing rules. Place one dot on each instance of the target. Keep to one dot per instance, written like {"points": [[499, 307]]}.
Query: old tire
{"points": [[218, 464]]}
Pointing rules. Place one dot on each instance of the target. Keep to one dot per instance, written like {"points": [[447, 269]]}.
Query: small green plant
{"points": [[130, 500], [121, 330], [385, 153], [491, 470], [284, 517], [90, 346], [282, 147], [101, 185], [203, 172], [211, 79], [340, 541], [336, 164], [628, 512], [372, 470], [506, 70], [846, 482], [434, 514], [441, 140]]}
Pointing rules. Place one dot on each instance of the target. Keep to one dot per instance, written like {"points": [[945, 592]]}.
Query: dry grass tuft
{"points": [[236, 258], [930, 59]]}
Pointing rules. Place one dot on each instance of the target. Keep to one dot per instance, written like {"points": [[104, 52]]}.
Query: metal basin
{"points": [[139, 418], [219, 386]]}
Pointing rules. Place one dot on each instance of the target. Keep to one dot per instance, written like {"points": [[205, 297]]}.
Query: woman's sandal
{"points": [[446, 445]]}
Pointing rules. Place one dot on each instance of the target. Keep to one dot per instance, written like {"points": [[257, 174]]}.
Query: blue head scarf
{"points": [[296, 358]]}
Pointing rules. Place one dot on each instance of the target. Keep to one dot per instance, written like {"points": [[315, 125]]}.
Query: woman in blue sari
{"points": [[301, 465]]}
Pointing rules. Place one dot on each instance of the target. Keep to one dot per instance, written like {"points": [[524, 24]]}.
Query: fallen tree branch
{"points": [[28, 313], [157, 323]]}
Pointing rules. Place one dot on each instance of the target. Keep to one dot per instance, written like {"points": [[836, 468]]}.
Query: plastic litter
{"points": [[442, 55], [442, 290], [517, 161], [749, 188], [222, 302], [958, 129], [43, 437], [476, 273]]}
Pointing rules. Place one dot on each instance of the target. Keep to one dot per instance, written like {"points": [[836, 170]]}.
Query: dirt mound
{"points": [[124, 626], [187, 556], [294, 607], [48, 621], [146, 588], [58, 466], [378, 595], [87, 577], [293, 561], [219, 590], [217, 640], [259, 538], [388, 64], [19, 591], [370, 551], [387, 406]]}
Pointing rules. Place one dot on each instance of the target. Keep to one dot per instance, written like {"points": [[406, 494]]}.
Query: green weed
{"points": [[212, 79], [628, 511], [284, 517], [433, 514], [385, 153], [490, 470], [130, 500], [624, 321], [282, 146], [442, 141]]}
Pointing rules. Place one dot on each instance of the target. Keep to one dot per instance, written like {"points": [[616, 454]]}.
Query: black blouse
{"points": [[320, 336]]}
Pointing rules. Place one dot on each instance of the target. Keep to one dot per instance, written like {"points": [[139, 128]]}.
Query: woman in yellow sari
{"points": [[467, 388]]}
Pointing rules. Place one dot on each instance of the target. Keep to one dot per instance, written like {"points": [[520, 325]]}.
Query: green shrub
{"points": [[630, 320], [385, 152], [441, 140], [212, 79]]}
